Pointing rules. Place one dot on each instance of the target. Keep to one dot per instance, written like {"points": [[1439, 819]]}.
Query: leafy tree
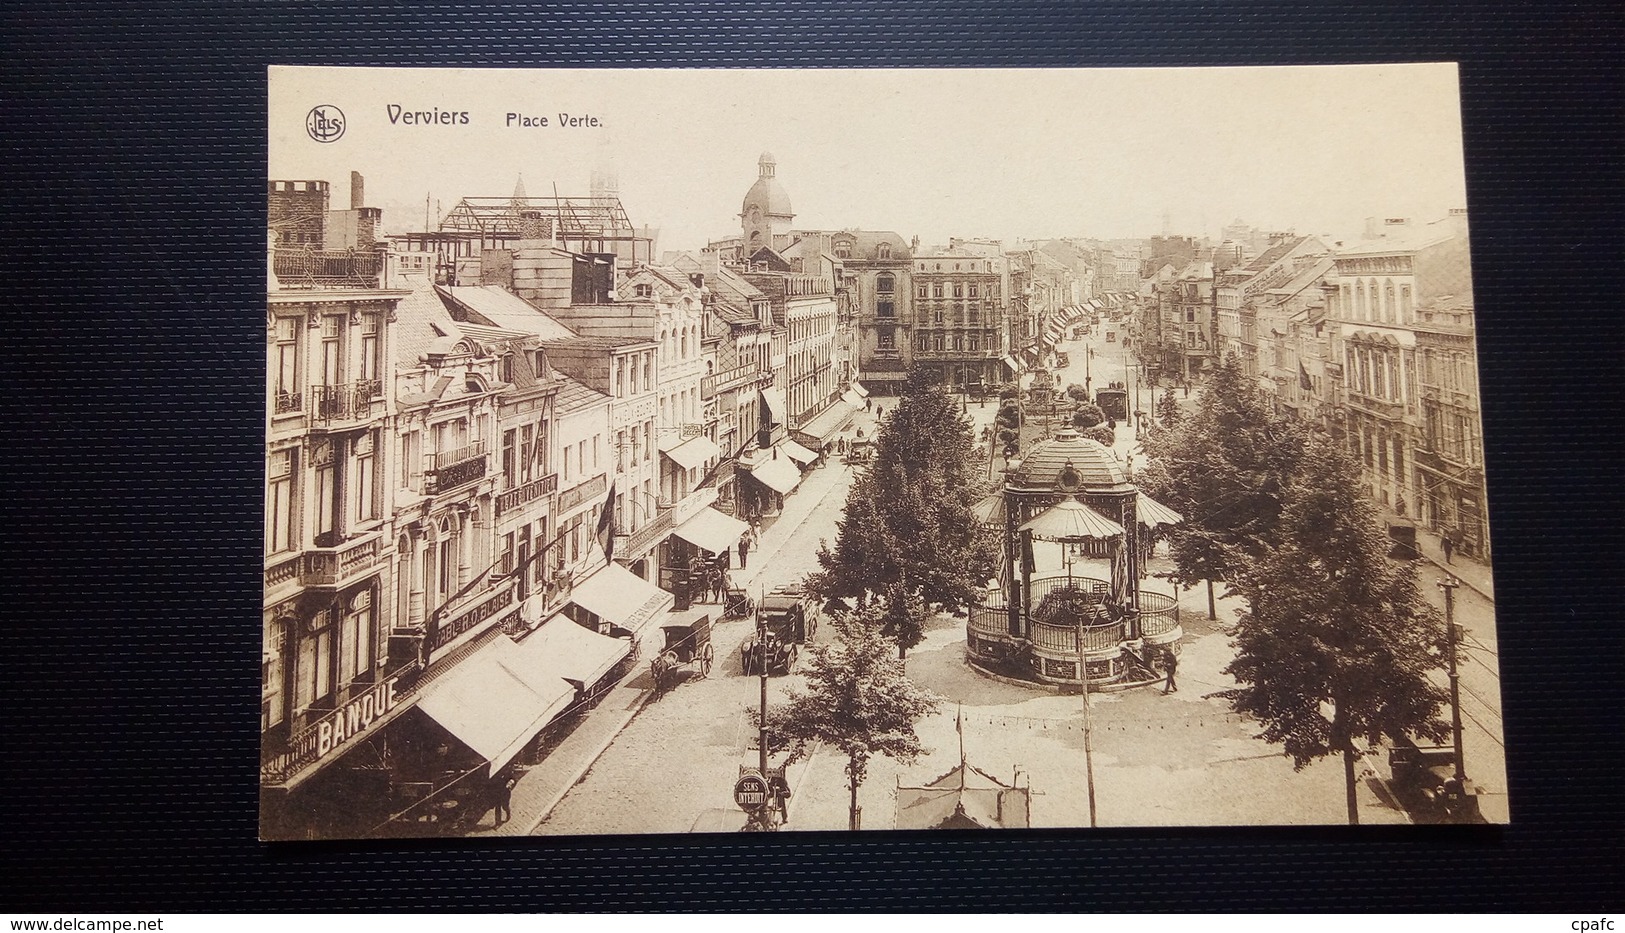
{"points": [[1087, 416], [1009, 390], [908, 535], [1078, 393], [858, 701], [1225, 468], [1337, 643], [1168, 409]]}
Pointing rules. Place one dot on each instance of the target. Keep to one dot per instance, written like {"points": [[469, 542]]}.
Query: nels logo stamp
{"points": [[325, 123]]}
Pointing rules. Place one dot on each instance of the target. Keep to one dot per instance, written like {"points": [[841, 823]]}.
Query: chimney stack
{"points": [[358, 196]]}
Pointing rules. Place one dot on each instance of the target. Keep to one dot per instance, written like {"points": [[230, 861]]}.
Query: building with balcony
{"points": [[1374, 291], [327, 598], [1064, 507], [874, 283], [960, 337], [1450, 446]]}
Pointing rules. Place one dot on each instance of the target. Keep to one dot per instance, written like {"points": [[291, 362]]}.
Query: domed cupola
{"points": [[1068, 462], [766, 209]]}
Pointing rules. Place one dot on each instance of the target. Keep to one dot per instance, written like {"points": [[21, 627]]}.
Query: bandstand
{"points": [[1067, 507]]}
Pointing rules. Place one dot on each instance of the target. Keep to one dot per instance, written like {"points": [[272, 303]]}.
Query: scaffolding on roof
{"points": [[582, 225]]}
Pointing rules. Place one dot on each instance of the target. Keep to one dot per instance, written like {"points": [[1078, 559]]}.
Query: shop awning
{"points": [[829, 421], [564, 650], [774, 405], [691, 453], [780, 475], [494, 702], [711, 530], [1010, 361], [621, 597], [858, 388], [797, 452], [855, 397]]}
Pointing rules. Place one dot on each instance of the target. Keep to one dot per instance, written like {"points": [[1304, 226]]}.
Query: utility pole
{"points": [[1088, 730], [1449, 584]]}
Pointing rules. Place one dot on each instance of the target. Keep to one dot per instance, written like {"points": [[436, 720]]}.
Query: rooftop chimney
{"points": [[358, 194]]}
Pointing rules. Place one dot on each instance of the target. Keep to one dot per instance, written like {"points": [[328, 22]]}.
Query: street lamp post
{"points": [[1449, 585], [1088, 725], [1464, 806]]}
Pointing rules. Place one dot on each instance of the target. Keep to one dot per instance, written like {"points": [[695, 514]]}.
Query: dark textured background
{"points": [[133, 141]]}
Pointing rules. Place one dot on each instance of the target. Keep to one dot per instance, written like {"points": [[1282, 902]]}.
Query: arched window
{"points": [[1389, 306], [885, 282], [1359, 300], [883, 251]]}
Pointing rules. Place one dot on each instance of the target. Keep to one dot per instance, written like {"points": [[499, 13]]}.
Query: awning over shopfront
{"points": [[860, 390], [855, 396], [774, 406], [621, 598], [797, 452], [829, 421], [711, 530], [1013, 363], [779, 474], [563, 650], [691, 453], [495, 702]]}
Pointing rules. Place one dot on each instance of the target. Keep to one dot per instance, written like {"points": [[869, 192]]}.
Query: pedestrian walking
{"points": [[504, 808], [746, 542], [1170, 664], [1448, 546]]}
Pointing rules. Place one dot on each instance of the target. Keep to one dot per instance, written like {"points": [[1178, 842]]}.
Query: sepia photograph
{"points": [[715, 451]]}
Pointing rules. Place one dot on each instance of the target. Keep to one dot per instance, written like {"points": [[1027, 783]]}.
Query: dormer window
{"points": [[843, 250], [883, 251], [643, 291]]}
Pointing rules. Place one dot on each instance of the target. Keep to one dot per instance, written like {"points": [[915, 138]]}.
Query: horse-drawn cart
{"points": [[690, 644]]}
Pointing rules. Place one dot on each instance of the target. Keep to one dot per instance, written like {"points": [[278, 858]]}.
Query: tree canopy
{"points": [[1224, 468], [908, 535], [858, 701], [1336, 643]]}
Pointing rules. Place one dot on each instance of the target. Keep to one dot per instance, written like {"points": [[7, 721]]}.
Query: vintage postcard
{"points": [[706, 451]]}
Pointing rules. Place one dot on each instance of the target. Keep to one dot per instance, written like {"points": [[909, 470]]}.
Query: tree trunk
{"points": [[1348, 781], [854, 814], [1212, 609]]}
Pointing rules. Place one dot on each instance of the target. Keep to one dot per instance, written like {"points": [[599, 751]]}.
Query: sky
{"points": [[1002, 154]]}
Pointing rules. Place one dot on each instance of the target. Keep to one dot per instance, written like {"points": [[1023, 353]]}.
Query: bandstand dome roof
{"points": [[1094, 463]]}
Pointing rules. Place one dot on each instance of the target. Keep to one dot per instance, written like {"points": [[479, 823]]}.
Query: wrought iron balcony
{"points": [[288, 402], [302, 267], [527, 492], [350, 402], [728, 379], [457, 467]]}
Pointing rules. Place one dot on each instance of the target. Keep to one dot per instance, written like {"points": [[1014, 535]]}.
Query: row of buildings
{"points": [[1372, 341], [463, 427], [495, 449]]}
